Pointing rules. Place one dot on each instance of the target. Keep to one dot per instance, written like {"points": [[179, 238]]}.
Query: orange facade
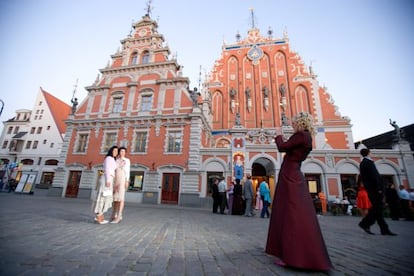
{"points": [[179, 140]]}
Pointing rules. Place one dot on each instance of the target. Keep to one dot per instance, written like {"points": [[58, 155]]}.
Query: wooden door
{"points": [[73, 184], [170, 188]]}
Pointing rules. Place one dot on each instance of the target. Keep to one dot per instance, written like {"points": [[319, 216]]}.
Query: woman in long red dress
{"points": [[294, 235]]}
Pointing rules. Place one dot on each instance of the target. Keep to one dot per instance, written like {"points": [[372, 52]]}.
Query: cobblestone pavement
{"points": [[57, 236]]}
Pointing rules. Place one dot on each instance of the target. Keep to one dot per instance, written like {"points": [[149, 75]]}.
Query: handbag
{"points": [[106, 192]]}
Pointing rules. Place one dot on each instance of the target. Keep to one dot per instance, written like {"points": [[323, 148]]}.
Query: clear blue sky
{"points": [[361, 50]]}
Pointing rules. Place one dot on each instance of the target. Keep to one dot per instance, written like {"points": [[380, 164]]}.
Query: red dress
{"points": [[294, 234], [362, 199]]}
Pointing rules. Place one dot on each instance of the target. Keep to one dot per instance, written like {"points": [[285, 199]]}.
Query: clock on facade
{"points": [[255, 53]]}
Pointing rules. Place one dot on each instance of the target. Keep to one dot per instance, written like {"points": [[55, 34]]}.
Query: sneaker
{"points": [[104, 222]]}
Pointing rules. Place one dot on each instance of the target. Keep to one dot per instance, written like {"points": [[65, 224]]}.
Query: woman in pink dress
{"points": [[294, 236], [123, 166], [259, 201]]}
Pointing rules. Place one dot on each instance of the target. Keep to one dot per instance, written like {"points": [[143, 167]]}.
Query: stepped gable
{"points": [[264, 81]]}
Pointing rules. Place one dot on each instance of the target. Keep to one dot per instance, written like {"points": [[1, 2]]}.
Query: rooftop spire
{"points": [[252, 17], [149, 8]]}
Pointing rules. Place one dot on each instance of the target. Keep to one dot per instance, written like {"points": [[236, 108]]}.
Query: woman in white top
{"points": [[123, 166], [104, 196]]}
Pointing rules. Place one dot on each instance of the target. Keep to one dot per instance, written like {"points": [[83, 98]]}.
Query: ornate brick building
{"points": [[178, 140]]}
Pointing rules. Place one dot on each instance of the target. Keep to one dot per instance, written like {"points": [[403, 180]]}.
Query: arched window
{"points": [[134, 59], [27, 162], [51, 162], [145, 57]]}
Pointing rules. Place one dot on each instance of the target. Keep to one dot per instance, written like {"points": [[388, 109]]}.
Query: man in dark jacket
{"points": [[374, 185]]}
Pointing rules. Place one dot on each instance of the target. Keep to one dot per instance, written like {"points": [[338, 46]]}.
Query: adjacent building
{"points": [[31, 142]]}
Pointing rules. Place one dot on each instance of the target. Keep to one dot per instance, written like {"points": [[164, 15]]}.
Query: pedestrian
{"points": [[222, 186], [104, 196], [265, 196], [259, 201], [215, 195], [393, 200], [375, 188], [248, 196], [237, 208], [405, 203], [363, 203], [123, 167], [294, 235], [230, 195]]}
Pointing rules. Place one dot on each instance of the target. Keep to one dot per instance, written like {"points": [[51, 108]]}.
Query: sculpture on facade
{"points": [[282, 90], [265, 91], [285, 120], [233, 93], [238, 122], [194, 96], [397, 131], [74, 102], [248, 92]]}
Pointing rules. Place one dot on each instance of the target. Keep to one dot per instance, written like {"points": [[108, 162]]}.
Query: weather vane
{"points": [[149, 8]]}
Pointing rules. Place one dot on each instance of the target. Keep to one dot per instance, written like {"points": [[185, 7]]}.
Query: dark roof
{"points": [[387, 139], [19, 135]]}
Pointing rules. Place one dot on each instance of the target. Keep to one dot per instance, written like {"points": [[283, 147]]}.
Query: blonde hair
{"points": [[304, 121]]}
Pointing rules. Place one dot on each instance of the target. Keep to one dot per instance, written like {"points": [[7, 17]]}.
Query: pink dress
{"points": [[121, 178], [294, 234], [259, 201]]}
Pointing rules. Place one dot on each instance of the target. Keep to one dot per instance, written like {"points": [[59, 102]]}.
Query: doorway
{"points": [[73, 184], [170, 188]]}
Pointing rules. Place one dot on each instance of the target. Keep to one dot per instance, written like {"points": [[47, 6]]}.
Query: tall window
{"points": [[28, 144], [39, 130], [16, 129], [32, 130], [140, 141], [82, 142], [35, 144], [146, 102], [134, 58], [110, 140], [5, 142], [145, 57], [9, 130], [174, 141], [117, 104]]}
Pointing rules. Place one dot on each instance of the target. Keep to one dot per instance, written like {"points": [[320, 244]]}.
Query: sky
{"points": [[361, 50]]}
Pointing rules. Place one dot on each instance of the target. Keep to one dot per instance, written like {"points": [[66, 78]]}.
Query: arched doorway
{"points": [[263, 169]]}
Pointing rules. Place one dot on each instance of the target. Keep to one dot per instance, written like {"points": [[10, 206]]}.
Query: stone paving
{"points": [[42, 235]]}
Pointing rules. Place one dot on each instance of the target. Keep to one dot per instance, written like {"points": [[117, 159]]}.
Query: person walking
{"points": [[294, 234], [215, 195], [259, 201], [265, 196], [393, 200], [222, 187], [230, 195], [248, 196], [104, 196], [375, 188], [405, 203], [123, 168], [237, 206]]}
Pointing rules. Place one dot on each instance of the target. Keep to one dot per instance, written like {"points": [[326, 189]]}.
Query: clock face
{"points": [[255, 53], [142, 32]]}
